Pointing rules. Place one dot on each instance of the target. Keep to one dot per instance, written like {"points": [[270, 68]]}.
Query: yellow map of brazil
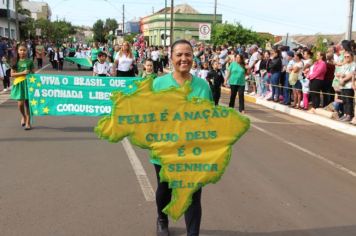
{"points": [[191, 139]]}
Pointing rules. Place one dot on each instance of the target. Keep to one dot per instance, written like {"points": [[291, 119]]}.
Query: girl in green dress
{"points": [[20, 69]]}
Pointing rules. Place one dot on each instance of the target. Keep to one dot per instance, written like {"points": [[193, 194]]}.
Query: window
{"points": [[1, 31], [6, 32], [13, 34]]}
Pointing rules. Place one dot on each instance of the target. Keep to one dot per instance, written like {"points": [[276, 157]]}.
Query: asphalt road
{"points": [[287, 177]]}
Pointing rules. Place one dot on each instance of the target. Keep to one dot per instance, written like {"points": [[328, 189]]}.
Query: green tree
{"points": [[110, 25], [129, 38], [21, 10], [61, 30], [99, 31], [320, 46], [236, 33]]}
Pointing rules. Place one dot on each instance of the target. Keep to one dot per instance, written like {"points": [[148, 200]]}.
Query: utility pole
{"points": [[123, 19], [171, 33], [17, 21], [165, 23], [287, 39], [348, 35], [8, 17], [215, 8]]}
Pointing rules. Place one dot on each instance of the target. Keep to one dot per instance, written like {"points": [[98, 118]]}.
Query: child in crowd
{"points": [[194, 71], [101, 67], [20, 69], [215, 79], [203, 73], [5, 72], [148, 72], [305, 89], [58, 58]]}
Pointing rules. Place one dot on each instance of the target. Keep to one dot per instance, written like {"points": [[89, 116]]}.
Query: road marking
{"points": [[140, 172], [4, 96], [317, 156]]}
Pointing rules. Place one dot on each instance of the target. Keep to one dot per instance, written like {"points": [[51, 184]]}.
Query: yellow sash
{"points": [[19, 79]]}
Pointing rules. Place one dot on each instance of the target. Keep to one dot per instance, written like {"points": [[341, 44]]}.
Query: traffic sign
{"points": [[38, 31], [204, 31]]}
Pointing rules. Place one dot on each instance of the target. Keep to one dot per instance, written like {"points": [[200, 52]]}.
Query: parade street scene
{"points": [[174, 118]]}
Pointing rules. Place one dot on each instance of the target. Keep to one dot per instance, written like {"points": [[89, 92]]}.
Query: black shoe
{"points": [[162, 227]]}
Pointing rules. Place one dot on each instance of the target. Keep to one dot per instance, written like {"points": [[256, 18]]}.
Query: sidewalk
{"points": [[322, 117]]}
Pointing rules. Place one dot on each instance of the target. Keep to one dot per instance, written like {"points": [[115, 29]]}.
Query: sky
{"points": [[278, 17]]}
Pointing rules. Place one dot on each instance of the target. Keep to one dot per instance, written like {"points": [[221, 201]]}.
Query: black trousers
{"points": [[315, 87], [39, 62], [6, 82], [129, 73], [240, 90], [347, 96], [192, 215], [155, 66], [216, 91], [59, 64], [328, 92]]}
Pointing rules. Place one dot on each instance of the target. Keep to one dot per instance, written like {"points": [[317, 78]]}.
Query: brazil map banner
{"points": [[192, 140]]}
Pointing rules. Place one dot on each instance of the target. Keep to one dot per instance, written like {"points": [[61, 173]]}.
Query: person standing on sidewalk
{"points": [[353, 121], [328, 91], [347, 93], [316, 78], [286, 86], [265, 73], [276, 68], [235, 75]]}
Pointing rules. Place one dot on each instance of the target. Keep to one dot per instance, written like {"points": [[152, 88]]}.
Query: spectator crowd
{"points": [[301, 77]]}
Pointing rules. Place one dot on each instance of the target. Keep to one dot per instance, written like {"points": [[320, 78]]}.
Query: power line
{"points": [[267, 19]]}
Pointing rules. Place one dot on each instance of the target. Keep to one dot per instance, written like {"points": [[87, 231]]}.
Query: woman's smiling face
{"points": [[182, 58]]}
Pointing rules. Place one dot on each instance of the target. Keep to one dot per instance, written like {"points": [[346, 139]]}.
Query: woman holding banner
{"points": [[182, 60], [20, 69], [124, 62]]}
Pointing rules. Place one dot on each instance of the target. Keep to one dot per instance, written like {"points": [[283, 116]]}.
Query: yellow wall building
{"points": [[186, 22]]}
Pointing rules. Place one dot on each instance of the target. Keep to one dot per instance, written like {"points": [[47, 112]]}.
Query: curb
{"points": [[314, 118]]}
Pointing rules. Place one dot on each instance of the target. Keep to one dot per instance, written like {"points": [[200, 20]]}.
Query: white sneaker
{"points": [[252, 94], [5, 90]]}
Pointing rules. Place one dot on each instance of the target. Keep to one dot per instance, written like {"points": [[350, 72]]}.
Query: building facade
{"points": [[39, 10], [7, 24], [132, 27], [186, 22]]}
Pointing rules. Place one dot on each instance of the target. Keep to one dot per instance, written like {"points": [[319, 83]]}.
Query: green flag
{"points": [[80, 61]]}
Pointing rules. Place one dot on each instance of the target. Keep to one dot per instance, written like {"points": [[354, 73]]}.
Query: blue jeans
{"points": [[275, 84], [258, 81], [264, 84], [286, 90]]}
